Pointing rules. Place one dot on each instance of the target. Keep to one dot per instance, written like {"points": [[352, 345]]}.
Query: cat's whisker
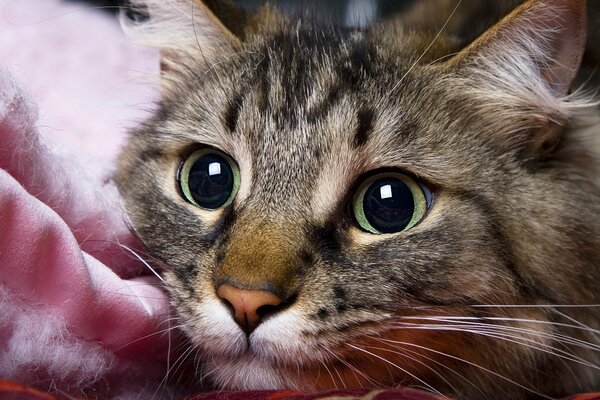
{"points": [[353, 369], [578, 323], [142, 261], [165, 380], [498, 328], [437, 36], [434, 361], [342, 382], [177, 364], [198, 365], [477, 330], [534, 305], [444, 318], [335, 369], [139, 255], [195, 351], [133, 295], [444, 57], [395, 366], [324, 364], [484, 320], [482, 368], [86, 239], [403, 353], [161, 332]]}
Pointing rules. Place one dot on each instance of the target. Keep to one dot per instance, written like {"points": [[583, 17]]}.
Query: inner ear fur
{"points": [[521, 70], [548, 35]]}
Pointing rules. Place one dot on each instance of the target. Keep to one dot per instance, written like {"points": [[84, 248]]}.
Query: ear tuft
{"points": [[521, 71], [183, 30], [535, 50]]}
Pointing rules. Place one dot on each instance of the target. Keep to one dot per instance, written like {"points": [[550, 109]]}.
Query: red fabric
{"points": [[390, 394], [13, 391]]}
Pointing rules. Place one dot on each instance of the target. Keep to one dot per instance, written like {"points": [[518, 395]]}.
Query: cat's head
{"points": [[342, 208]]}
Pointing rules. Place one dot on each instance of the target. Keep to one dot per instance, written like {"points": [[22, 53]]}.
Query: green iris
{"points": [[209, 179], [390, 202]]}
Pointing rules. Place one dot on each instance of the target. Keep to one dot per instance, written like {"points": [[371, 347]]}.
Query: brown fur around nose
{"points": [[260, 256]]}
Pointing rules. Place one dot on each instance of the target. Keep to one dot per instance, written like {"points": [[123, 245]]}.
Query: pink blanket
{"points": [[77, 308]]}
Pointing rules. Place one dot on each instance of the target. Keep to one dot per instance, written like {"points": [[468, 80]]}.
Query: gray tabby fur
{"points": [[472, 302]]}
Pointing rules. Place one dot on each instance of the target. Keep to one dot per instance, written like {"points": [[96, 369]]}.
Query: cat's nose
{"points": [[249, 306]]}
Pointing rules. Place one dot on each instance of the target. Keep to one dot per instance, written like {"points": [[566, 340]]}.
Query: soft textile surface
{"points": [[77, 309], [24, 393]]}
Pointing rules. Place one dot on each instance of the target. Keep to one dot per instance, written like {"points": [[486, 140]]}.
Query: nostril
{"points": [[228, 304], [266, 310], [270, 309]]}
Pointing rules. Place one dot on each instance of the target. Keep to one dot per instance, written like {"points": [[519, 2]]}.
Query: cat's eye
{"points": [[209, 179], [390, 202]]}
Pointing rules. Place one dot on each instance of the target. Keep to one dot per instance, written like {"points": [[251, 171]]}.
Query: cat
{"points": [[374, 207]]}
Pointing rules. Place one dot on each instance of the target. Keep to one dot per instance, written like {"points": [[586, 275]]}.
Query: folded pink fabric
{"points": [[60, 252], [78, 310]]}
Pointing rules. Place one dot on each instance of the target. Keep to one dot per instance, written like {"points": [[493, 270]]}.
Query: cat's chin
{"points": [[252, 373]]}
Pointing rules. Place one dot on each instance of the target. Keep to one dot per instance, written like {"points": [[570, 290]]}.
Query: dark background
{"points": [[346, 12]]}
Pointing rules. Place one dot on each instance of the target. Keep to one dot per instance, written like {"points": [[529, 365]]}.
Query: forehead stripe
{"points": [[233, 112], [364, 128]]}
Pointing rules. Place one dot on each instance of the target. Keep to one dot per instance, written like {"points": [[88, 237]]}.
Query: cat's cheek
{"points": [[214, 331], [282, 340]]}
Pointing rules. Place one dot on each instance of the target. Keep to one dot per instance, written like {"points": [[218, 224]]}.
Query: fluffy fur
{"points": [[492, 295]]}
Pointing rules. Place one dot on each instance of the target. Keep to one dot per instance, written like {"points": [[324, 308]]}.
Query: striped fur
{"points": [[492, 295]]}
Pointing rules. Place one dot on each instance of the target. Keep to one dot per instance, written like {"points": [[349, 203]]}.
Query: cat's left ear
{"points": [[519, 75], [540, 43]]}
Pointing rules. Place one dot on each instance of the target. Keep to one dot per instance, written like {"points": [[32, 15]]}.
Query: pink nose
{"points": [[249, 306]]}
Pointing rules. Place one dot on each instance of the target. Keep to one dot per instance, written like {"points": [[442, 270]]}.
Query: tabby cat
{"points": [[377, 207]]}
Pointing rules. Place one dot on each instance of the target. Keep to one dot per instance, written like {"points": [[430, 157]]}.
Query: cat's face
{"points": [[335, 212]]}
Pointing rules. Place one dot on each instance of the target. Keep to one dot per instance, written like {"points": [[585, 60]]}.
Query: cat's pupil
{"points": [[389, 205], [211, 181]]}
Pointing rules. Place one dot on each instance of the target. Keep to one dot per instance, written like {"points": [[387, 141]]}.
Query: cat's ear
{"points": [[542, 41], [521, 71], [185, 31]]}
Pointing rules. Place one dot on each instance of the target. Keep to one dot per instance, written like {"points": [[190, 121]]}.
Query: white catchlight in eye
{"points": [[386, 191], [214, 169]]}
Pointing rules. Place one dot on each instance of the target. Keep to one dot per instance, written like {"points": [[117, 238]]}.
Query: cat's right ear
{"points": [[186, 32]]}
